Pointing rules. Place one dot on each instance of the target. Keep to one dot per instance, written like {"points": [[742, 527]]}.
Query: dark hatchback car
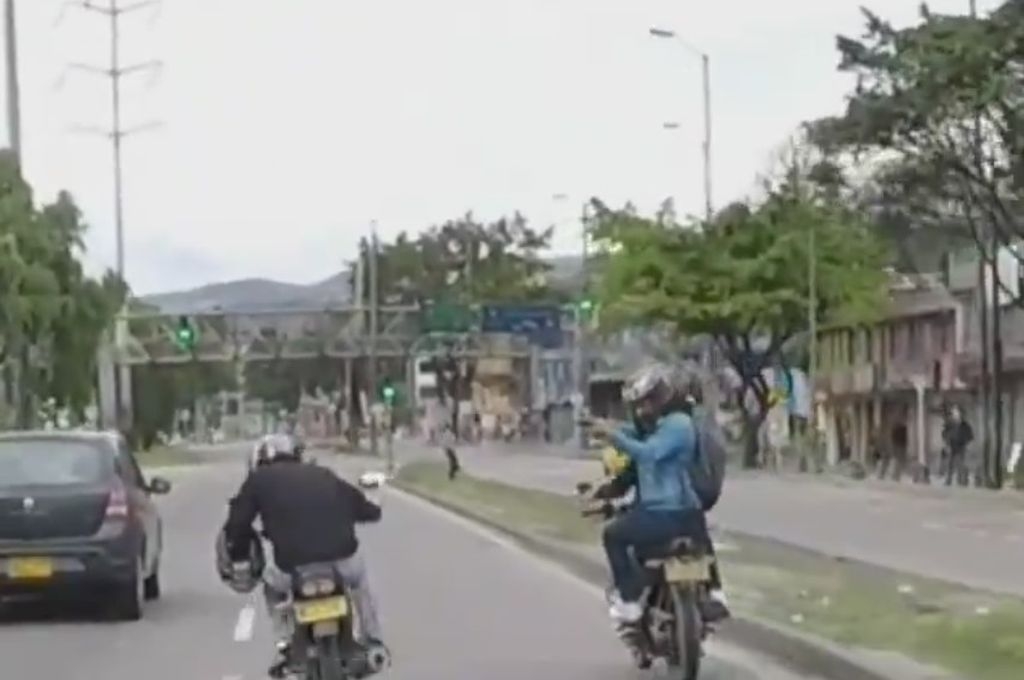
{"points": [[77, 519]]}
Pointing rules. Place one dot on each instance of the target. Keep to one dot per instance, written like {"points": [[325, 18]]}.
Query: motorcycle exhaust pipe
{"points": [[377, 658]]}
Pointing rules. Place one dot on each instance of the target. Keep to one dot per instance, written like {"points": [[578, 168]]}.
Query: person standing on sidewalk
{"points": [[957, 436]]}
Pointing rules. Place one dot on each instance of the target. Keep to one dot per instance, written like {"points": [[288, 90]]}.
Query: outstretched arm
{"points": [[243, 510], [672, 435]]}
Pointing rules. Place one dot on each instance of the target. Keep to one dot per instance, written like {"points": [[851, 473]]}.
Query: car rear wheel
{"points": [[129, 596]]}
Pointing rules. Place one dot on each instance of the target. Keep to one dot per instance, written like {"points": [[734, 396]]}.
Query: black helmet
{"points": [[687, 386]]}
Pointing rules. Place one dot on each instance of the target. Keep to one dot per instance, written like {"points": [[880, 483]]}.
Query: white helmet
{"points": [[274, 447]]}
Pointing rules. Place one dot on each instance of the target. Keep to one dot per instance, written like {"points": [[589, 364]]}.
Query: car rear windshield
{"points": [[51, 462]]}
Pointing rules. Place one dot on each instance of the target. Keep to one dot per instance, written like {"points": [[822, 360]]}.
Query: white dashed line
{"points": [[244, 625]]}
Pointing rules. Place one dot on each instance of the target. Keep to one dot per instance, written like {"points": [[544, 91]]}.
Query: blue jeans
{"points": [[629, 535]]}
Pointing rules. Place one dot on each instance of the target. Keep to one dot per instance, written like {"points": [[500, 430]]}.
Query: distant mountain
{"points": [[256, 295]]}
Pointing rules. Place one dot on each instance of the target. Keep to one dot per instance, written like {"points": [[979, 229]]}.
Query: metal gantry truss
{"points": [[341, 333], [262, 336]]}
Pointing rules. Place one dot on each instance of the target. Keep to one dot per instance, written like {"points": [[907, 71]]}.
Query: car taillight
{"points": [[117, 504]]}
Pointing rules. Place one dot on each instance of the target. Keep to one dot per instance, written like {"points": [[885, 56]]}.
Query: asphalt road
{"points": [[457, 603], [958, 535]]}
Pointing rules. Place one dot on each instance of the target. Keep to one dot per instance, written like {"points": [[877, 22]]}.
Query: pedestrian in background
{"points": [[448, 440], [957, 435]]}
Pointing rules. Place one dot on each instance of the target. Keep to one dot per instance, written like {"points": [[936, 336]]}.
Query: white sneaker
{"points": [[625, 612]]}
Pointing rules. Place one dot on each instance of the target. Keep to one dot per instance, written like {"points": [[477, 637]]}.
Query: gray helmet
{"points": [[651, 384]]}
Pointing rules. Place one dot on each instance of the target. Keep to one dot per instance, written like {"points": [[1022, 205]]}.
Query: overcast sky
{"points": [[290, 125]]}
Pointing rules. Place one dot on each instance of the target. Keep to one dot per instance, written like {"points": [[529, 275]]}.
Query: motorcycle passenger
{"points": [[621, 479], [308, 515], [666, 506]]}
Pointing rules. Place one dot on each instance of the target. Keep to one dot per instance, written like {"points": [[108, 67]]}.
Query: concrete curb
{"points": [[798, 651]]}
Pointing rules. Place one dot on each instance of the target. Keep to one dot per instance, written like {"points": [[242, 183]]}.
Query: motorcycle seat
{"points": [[677, 547]]}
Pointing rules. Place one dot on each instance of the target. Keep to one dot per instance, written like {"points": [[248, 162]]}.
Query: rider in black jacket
{"points": [[308, 515]]}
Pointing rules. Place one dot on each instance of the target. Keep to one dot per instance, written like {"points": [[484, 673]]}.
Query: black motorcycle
{"points": [[323, 646], [673, 626]]}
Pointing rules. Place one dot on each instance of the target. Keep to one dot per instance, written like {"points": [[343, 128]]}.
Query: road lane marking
{"points": [[244, 625]]}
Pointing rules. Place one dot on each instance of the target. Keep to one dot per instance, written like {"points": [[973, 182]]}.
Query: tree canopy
{"points": [[52, 316], [466, 260], [936, 116], [742, 280]]}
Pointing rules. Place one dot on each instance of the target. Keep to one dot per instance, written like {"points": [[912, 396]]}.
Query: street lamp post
{"points": [[705, 62]]}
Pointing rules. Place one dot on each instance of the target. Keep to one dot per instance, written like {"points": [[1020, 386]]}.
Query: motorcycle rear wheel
{"points": [[687, 635], [326, 663]]}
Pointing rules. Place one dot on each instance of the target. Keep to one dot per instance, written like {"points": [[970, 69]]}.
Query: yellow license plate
{"points": [[312, 611], [687, 570], [30, 567]]}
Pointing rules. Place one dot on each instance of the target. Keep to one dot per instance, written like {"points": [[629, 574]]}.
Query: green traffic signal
{"points": [[185, 335], [388, 393]]}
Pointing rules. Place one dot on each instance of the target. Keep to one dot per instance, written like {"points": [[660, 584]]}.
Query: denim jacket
{"points": [[659, 460]]}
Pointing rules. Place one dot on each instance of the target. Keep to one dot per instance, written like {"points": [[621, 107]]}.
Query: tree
{"points": [[937, 113], [741, 280], [88, 308], [467, 261]]}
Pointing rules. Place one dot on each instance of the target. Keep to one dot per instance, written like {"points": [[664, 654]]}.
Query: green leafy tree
{"points": [[937, 112], [742, 280], [468, 261], [89, 306]]}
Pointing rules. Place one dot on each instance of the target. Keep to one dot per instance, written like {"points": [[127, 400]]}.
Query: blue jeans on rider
{"points": [[639, 529]]}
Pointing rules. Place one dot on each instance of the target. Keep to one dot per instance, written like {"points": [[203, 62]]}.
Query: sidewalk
{"points": [[963, 536]]}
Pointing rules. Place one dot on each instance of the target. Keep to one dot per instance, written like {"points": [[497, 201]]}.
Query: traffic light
{"points": [[185, 334], [388, 393], [585, 309]]}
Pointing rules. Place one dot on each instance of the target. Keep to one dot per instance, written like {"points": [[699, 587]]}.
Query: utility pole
{"points": [[705, 63], [812, 329], [13, 87], [989, 397], [14, 371], [579, 346], [372, 368], [116, 133]]}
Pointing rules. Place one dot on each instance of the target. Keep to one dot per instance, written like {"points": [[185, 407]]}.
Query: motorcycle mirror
{"points": [[583, 488]]}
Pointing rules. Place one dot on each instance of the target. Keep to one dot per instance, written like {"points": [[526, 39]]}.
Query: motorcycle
{"points": [[672, 627], [323, 646]]}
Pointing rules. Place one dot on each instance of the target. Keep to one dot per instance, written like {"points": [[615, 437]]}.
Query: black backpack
{"points": [[707, 474]]}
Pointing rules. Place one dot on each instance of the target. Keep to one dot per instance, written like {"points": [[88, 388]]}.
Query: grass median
{"points": [[168, 456], [972, 633]]}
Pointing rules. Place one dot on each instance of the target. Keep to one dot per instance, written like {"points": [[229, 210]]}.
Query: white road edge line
{"points": [[244, 625], [738, 656]]}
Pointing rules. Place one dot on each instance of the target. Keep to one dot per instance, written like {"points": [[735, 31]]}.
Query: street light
{"points": [[706, 92]]}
